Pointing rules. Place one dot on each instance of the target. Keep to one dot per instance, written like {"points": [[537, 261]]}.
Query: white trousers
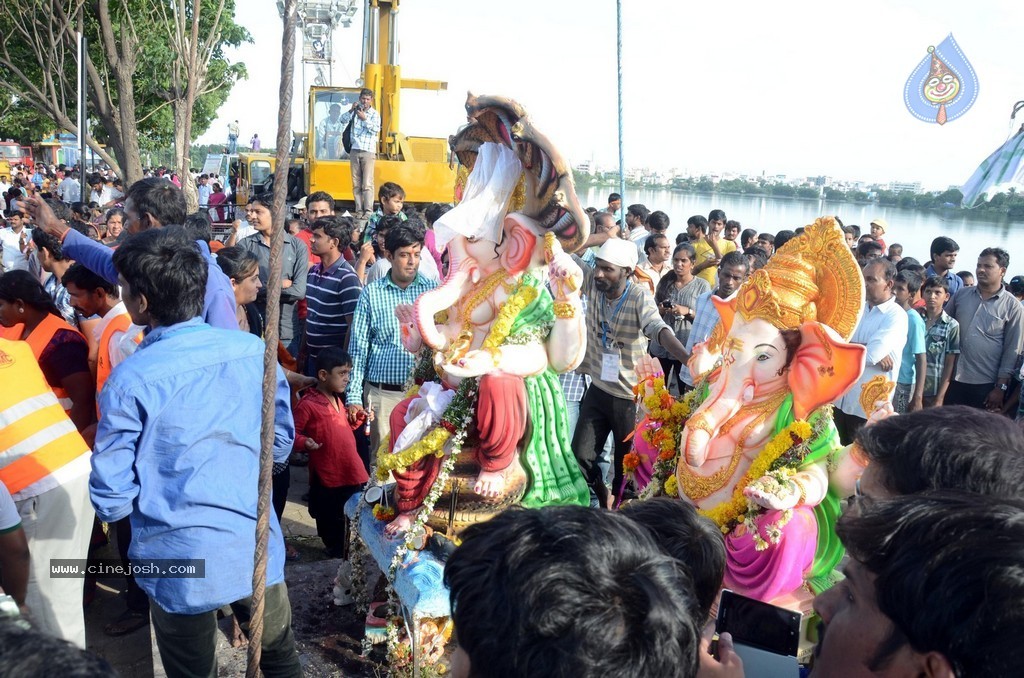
{"points": [[58, 524], [382, 403]]}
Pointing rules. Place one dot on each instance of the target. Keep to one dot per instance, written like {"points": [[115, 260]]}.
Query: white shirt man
{"points": [[655, 264], [103, 196], [204, 189], [10, 239], [69, 190], [883, 332], [380, 268]]}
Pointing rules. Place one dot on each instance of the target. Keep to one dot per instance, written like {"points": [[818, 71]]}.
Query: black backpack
{"points": [[346, 136]]}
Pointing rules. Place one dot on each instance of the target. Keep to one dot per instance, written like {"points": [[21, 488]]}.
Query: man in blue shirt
{"points": [[178, 451], [943, 254], [150, 203]]}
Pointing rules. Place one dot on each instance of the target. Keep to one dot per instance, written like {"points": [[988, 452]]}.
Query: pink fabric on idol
{"points": [[648, 455], [768, 574]]}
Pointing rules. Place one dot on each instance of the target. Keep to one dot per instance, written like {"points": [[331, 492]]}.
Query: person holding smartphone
{"points": [[365, 131], [676, 296]]}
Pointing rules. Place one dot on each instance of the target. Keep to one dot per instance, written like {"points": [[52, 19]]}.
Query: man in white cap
{"points": [[621, 319]]}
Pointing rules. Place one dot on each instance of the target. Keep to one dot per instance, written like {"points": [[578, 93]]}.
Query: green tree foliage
{"points": [[887, 198], [952, 196], [37, 65], [905, 200], [21, 122]]}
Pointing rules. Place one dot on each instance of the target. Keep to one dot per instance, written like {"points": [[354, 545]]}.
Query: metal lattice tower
{"points": [[317, 20]]}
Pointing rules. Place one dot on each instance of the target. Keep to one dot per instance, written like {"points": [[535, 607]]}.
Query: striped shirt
{"points": [[623, 327], [331, 298], [376, 345]]}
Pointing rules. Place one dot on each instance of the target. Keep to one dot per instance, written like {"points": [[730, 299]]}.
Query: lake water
{"points": [[914, 229]]}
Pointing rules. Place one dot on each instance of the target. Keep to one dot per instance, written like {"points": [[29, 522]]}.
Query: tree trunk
{"points": [[130, 157], [195, 78]]}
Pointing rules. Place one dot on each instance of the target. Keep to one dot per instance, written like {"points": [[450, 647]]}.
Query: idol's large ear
{"points": [[823, 368], [519, 245]]}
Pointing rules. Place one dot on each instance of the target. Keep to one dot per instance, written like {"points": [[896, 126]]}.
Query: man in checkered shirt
{"points": [[365, 131]]}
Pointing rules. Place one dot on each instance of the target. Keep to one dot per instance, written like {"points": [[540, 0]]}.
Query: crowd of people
{"points": [[127, 340]]}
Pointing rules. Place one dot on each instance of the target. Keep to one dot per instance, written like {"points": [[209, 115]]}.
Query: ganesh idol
{"points": [[494, 335], [758, 452]]}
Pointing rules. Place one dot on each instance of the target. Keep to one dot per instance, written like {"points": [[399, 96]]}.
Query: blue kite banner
{"points": [[943, 86]]}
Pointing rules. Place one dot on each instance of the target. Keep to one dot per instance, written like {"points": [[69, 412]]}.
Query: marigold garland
{"points": [[455, 418], [667, 416], [432, 443], [384, 513], [456, 413], [523, 296], [730, 512], [672, 486]]}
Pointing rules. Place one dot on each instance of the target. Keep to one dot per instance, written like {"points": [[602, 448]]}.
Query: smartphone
{"points": [[666, 304], [757, 624]]}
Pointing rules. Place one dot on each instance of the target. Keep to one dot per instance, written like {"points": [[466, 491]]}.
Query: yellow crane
{"points": [[419, 164]]}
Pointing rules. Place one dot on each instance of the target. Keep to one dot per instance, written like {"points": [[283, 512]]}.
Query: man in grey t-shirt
{"points": [[991, 328]]}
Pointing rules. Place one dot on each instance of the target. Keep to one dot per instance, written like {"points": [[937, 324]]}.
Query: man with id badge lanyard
{"points": [[621, 318]]}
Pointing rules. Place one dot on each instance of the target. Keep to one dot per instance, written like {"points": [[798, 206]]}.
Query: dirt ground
{"points": [[328, 637]]}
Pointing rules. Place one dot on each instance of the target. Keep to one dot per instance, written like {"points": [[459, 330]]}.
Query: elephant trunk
{"points": [[704, 425], [441, 299]]}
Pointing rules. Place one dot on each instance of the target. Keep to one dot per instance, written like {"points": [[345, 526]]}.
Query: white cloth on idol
{"points": [[424, 413], [481, 213]]}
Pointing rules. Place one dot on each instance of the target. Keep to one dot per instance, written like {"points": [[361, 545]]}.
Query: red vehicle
{"points": [[16, 155]]}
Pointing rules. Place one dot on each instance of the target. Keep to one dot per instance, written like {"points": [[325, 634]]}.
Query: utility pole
{"points": [[83, 84], [618, 52]]}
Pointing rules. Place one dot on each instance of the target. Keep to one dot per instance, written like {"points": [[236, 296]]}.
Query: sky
{"points": [[797, 87]]}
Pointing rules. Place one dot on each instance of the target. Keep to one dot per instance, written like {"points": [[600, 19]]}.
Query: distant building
{"points": [[586, 167], [905, 187]]}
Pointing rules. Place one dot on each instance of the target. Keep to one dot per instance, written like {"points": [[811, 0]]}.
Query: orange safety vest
{"points": [[36, 436], [38, 341], [118, 323]]}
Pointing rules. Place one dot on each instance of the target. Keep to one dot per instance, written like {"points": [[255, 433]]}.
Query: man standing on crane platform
{"points": [[365, 131]]}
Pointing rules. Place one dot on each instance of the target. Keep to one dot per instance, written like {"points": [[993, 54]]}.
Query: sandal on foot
{"points": [[127, 623]]}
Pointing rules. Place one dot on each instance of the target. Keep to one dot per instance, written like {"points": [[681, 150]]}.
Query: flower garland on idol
{"points": [[444, 440], [777, 462], [458, 414], [667, 416]]}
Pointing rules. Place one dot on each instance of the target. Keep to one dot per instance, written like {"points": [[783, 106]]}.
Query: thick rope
{"points": [[259, 575]]}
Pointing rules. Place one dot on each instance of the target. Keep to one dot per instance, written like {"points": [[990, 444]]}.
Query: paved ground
{"points": [[328, 636]]}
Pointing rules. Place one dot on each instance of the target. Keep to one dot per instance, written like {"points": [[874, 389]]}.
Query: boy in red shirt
{"points": [[323, 430]]}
